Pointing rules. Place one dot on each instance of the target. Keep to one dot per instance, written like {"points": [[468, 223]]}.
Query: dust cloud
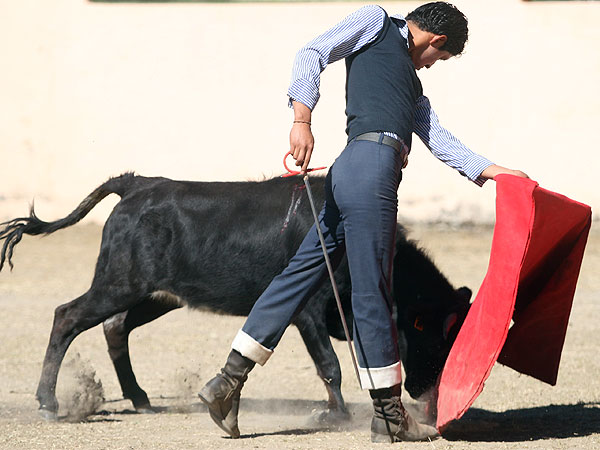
{"points": [[80, 393], [187, 383]]}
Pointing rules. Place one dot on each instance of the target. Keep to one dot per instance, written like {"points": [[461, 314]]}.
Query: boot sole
{"points": [[218, 419], [377, 438]]}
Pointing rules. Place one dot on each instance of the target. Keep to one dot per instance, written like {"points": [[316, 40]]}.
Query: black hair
{"points": [[442, 18]]}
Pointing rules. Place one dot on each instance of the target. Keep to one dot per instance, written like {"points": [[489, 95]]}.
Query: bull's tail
{"points": [[14, 229]]}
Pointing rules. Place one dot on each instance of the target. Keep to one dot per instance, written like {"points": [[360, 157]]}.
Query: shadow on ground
{"points": [[289, 407], [477, 425], [543, 422], [310, 413]]}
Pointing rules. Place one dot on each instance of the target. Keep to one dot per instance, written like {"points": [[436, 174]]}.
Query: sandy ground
{"points": [[175, 355]]}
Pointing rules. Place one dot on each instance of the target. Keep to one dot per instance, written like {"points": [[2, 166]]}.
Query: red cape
{"points": [[536, 254]]}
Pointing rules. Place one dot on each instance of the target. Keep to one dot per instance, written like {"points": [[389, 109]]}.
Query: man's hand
{"points": [[494, 170], [302, 143], [302, 140]]}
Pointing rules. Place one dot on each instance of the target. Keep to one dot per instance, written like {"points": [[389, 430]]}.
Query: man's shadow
{"points": [[477, 425], [542, 422]]}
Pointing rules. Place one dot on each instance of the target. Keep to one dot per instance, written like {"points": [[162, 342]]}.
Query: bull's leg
{"points": [[116, 332], [70, 320], [317, 341]]}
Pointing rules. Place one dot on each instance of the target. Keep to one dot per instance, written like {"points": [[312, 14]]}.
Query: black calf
{"points": [[169, 244]]}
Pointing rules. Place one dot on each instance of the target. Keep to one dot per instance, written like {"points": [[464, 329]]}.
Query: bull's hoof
{"points": [[145, 410], [329, 417], [46, 414]]}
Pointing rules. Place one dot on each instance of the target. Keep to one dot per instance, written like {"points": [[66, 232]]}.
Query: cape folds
{"points": [[537, 249]]}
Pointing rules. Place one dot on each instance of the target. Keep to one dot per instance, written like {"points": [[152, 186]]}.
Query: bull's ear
{"points": [[450, 321], [464, 293]]}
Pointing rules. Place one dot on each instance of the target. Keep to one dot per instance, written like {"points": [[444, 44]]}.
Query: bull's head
{"points": [[429, 312], [427, 329]]}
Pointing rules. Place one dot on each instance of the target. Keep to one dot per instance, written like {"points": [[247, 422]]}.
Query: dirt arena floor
{"points": [[175, 355]]}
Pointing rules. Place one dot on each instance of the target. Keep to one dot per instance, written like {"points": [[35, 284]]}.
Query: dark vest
{"points": [[382, 86]]}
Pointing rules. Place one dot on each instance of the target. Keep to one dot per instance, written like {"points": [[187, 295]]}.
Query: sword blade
{"points": [[331, 277]]}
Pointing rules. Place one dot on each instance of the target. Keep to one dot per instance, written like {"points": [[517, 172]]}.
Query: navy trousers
{"points": [[359, 216]]}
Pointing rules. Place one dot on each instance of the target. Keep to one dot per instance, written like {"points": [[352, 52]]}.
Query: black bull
{"points": [[216, 246]]}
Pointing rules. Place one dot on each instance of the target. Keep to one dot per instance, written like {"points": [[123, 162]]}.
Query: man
{"points": [[384, 106]]}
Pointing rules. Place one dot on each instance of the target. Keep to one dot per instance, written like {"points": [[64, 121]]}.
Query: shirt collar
{"points": [[402, 25]]}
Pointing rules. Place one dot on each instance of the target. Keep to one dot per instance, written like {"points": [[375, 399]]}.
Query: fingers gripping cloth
{"points": [[537, 249]]}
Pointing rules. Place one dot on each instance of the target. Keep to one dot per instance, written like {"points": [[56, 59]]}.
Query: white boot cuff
{"points": [[250, 348], [380, 377]]}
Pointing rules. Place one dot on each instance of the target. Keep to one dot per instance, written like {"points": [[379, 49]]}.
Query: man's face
{"points": [[425, 47], [429, 56]]}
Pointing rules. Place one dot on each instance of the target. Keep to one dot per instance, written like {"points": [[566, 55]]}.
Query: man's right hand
{"points": [[302, 143], [302, 140]]}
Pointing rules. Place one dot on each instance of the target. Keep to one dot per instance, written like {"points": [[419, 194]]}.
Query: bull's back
{"points": [[213, 244]]}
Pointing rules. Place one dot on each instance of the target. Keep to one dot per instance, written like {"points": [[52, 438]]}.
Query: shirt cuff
{"points": [[474, 166], [303, 91]]}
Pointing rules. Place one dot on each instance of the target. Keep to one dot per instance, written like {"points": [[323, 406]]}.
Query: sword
{"points": [[327, 261], [332, 278]]}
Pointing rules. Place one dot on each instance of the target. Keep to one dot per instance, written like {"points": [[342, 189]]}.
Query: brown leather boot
{"points": [[222, 393], [391, 422]]}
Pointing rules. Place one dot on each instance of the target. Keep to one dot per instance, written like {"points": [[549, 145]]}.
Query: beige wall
{"points": [[197, 91]]}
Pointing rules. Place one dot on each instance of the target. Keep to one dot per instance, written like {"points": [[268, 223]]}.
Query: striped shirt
{"points": [[349, 36]]}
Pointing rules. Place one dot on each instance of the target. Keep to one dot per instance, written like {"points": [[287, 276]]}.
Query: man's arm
{"points": [[447, 148], [451, 151], [345, 38]]}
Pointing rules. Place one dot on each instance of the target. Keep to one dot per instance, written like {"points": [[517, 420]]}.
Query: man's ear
{"points": [[438, 40]]}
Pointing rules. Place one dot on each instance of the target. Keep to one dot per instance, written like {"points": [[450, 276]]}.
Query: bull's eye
{"points": [[418, 323]]}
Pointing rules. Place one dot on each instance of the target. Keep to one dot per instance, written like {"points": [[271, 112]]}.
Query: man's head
{"points": [[439, 31]]}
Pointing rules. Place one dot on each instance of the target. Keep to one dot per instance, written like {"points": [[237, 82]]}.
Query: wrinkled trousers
{"points": [[359, 217]]}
